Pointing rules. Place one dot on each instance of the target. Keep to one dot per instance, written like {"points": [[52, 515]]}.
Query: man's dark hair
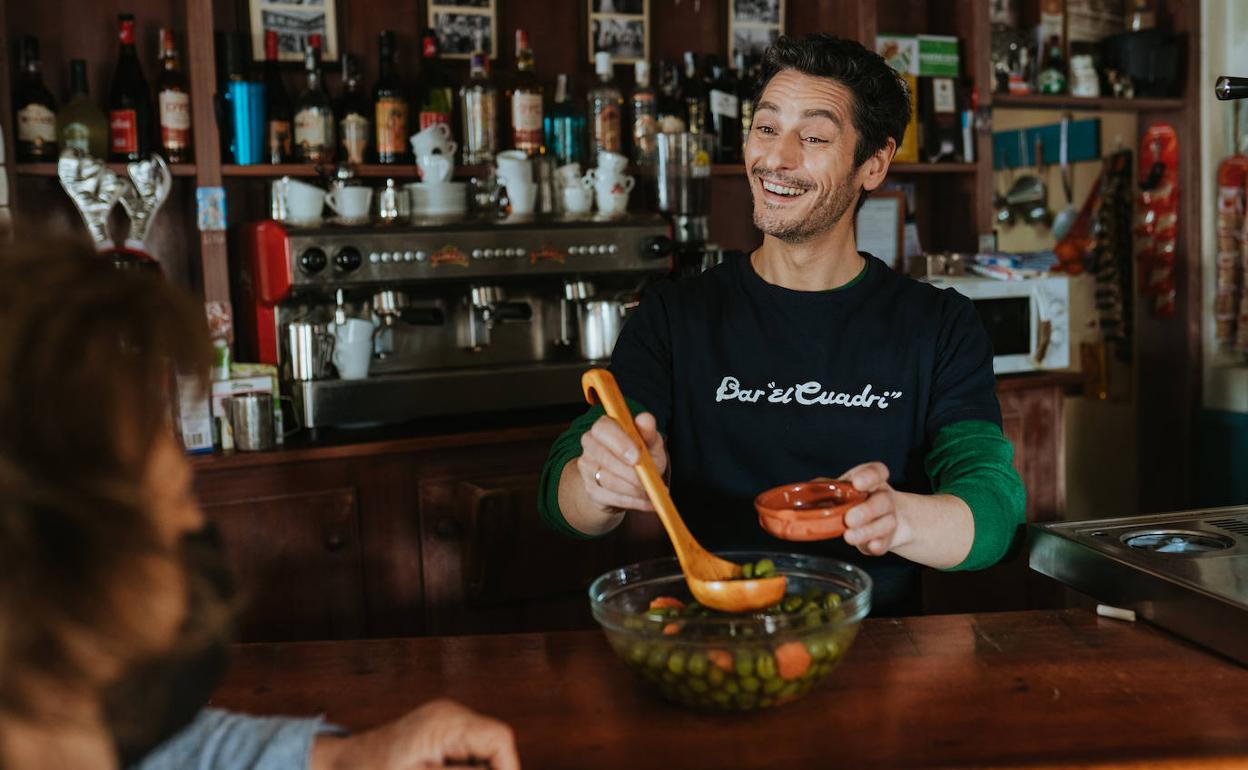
{"points": [[881, 96]]}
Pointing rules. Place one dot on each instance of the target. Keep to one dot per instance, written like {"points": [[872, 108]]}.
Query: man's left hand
{"points": [[874, 526]]}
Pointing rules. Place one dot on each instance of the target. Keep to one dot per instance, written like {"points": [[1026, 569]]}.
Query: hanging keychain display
{"points": [[1157, 217]]}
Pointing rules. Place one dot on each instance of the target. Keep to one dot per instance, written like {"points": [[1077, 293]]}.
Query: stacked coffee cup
{"points": [[435, 195], [515, 173], [576, 189], [610, 184]]}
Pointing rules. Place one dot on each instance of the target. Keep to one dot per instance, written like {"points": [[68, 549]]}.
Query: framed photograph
{"points": [[620, 27], [753, 25], [294, 21], [879, 228], [460, 23]]}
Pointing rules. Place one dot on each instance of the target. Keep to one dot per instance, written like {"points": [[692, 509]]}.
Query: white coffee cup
{"points": [[350, 203], [615, 184], [353, 348], [434, 138], [435, 167], [577, 199], [612, 203], [304, 202], [523, 197], [569, 173], [612, 162]]}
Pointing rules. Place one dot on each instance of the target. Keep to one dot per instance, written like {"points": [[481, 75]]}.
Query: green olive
{"points": [[697, 664], [765, 665], [715, 675], [750, 683], [773, 686], [657, 658], [747, 571], [764, 568], [731, 687], [676, 663], [792, 603], [744, 663], [698, 686], [637, 653]]}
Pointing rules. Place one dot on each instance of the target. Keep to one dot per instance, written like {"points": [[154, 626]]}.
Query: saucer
{"points": [[354, 222]]}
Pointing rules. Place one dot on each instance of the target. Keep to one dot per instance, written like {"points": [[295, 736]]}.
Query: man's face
{"points": [[800, 156]]}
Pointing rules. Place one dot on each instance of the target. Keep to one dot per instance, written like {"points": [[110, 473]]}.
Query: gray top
{"points": [[223, 740]]}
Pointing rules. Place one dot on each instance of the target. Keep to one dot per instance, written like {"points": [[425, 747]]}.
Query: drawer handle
{"points": [[334, 542]]}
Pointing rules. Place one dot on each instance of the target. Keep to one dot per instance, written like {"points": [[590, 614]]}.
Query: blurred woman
{"points": [[115, 603]]}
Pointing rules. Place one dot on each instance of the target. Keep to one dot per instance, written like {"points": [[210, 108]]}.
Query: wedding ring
{"points": [[598, 477]]}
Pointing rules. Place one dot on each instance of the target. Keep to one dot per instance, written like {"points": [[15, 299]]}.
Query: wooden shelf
{"points": [[736, 169], [269, 170], [1065, 102], [49, 169], [933, 168]]}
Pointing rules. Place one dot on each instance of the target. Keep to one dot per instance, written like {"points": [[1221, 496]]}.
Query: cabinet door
{"points": [[298, 564], [492, 565]]}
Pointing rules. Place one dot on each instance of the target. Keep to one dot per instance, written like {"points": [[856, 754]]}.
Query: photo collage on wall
{"points": [[753, 25], [462, 25], [294, 21], [620, 27]]}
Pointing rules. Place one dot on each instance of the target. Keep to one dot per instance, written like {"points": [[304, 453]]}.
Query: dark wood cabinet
{"points": [[299, 564]]}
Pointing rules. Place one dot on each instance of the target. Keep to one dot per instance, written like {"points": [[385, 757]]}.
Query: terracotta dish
{"points": [[810, 510]]}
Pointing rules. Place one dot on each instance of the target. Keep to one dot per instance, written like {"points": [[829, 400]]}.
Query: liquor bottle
{"points": [[725, 112], [81, 125], [174, 98], [390, 105], [276, 104], [671, 101], [314, 117], [35, 108], [478, 101], [130, 105], [565, 126], [526, 100], [1052, 77], [605, 105], [645, 114], [436, 92], [695, 98], [745, 95], [353, 110]]}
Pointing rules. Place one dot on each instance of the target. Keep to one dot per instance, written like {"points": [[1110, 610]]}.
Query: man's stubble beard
{"points": [[825, 215]]}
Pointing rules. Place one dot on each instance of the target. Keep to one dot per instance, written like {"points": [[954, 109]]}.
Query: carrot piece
{"points": [[721, 658], [792, 660], [664, 602], [671, 629]]}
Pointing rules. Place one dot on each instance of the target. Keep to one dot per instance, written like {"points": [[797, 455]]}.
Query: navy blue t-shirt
{"points": [[755, 385]]}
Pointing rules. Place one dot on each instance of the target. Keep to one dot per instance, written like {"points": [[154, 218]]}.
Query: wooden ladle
{"points": [[710, 578]]}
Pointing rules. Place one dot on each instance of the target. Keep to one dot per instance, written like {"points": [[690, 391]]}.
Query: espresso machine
{"points": [[682, 177], [466, 317]]}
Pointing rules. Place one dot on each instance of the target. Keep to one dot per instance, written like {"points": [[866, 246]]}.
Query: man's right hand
{"points": [[606, 464], [437, 733]]}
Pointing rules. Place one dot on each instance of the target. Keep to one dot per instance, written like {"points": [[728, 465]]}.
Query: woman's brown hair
{"points": [[88, 356]]}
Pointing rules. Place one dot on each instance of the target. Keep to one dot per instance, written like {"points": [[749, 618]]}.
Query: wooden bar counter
{"points": [[1033, 689]]}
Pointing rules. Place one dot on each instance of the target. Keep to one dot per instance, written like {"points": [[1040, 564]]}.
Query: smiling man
{"points": [[808, 359]]}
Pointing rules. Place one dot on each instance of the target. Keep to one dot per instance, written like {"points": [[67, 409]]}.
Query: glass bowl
{"points": [[713, 661]]}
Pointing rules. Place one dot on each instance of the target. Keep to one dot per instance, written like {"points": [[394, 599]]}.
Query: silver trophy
{"points": [[150, 181], [95, 189]]}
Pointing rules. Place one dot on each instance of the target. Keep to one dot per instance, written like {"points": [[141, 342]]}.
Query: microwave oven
{"points": [[1033, 324]]}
